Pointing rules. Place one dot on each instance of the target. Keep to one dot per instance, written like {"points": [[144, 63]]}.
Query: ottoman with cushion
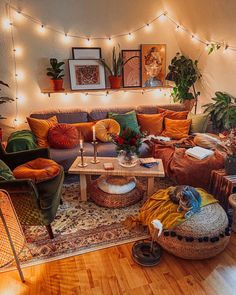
{"points": [[204, 235]]}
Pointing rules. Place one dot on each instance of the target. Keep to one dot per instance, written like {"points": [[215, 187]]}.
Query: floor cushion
{"points": [[63, 136], [204, 235], [40, 129], [39, 170], [116, 184], [105, 128]]}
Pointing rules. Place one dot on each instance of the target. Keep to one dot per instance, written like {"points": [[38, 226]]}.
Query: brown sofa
{"points": [[66, 157]]}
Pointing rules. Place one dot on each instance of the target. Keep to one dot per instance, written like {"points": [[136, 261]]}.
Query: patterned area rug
{"points": [[81, 227]]}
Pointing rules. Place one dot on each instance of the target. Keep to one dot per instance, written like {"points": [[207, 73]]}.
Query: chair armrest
{"points": [[18, 158], [19, 186]]}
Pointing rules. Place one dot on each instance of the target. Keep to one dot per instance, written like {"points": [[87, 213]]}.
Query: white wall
{"points": [[210, 19]]}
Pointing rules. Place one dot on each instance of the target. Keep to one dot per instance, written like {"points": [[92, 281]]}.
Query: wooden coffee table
{"points": [[97, 169]]}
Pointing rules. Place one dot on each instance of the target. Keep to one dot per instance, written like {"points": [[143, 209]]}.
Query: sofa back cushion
{"points": [[102, 113], [152, 109], [173, 114], [68, 116]]}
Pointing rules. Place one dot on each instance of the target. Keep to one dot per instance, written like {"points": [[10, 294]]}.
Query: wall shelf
{"points": [[105, 91]]}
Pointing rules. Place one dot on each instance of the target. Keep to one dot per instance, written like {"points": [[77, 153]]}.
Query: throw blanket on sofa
{"points": [[184, 169], [20, 141], [159, 206]]}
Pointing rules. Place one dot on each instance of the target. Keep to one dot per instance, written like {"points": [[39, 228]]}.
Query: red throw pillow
{"points": [[63, 136]]}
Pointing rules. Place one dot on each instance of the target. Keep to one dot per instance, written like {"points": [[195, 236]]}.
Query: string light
{"points": [[7, 23], [88, 41], [66, 39], [130, 36], [177, 28], [19, 75], [148, 27], [41, 29], [17, 51]]}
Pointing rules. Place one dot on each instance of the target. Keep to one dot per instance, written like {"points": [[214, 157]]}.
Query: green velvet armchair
{"points": [[35, 203]]}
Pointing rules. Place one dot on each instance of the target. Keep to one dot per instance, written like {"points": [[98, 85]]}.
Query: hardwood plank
{"points": [[112, 271]]}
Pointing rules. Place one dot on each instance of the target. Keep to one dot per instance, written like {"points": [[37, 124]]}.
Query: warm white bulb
{"points": [[130, 36], [148, 27], [194, 38], [66, 39], [41, 29], [162, 17], [19, 75], [17, 122], [20, 98], [88, 41], [17, 51], [6, 24], [177, 28], [207, 47], [109, 41]]}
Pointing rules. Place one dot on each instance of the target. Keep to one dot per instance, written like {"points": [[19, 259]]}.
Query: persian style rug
{"points": [[81, 227]]}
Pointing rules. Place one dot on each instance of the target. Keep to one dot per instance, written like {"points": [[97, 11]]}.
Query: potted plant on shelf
{"points": [[222, 111], [56, 73], [127, 146], [184, 73], [116, 69]]}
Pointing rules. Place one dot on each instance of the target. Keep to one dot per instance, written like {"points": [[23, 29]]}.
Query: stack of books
{"points": [[199, 152]]}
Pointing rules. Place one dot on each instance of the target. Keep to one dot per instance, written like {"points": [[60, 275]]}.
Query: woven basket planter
{"points": [[115, 200], [204, 235]]}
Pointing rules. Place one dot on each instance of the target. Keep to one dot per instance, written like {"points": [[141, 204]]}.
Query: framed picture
{"points": [[131, 74], [153, 64], [86, 52], [86, 74]]}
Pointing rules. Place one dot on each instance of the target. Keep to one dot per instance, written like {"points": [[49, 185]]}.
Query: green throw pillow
{"points": [[5, 172], [199, 122], [127, 120]]}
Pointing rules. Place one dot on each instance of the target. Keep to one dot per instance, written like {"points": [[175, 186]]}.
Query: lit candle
{"points": [[81, 143], [94, 133]]}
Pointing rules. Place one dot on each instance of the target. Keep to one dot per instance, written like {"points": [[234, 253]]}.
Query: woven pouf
{"points": [[204, 235], [131, 191]]}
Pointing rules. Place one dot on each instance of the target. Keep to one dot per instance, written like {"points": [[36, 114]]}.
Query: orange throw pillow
{"points": [[38, 170], [40, 129], [152, 124], [176, 129], [173, 115], [85, 130]]}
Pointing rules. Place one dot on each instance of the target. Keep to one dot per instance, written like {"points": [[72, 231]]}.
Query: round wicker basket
{"points": [[104, 199], [187, 239]]}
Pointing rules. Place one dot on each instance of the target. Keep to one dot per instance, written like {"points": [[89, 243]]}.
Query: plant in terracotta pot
{"points": [[56, 73], [116, 69], [184, 73], [222, 111]]}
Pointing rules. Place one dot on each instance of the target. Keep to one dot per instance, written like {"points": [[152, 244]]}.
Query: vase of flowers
{"points": [[127, 146], [229, 146]]}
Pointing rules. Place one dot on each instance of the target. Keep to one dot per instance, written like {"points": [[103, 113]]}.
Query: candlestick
{"points": [[81, 143], [95, 160], [82, 164], [94, 134]]}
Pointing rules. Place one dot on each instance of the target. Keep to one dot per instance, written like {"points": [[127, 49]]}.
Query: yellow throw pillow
{"points": [[176, 129], [105, 128], [40, 129]]}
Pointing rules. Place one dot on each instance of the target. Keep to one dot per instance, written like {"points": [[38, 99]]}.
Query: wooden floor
{"points": [[112, 271]]}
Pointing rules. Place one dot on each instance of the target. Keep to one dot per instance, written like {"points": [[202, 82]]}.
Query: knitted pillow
{"points": [[105, 128], [63, 136]]}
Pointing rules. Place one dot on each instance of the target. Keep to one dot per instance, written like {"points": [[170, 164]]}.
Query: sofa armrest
{"points": [[18, 158], [18, 187]]}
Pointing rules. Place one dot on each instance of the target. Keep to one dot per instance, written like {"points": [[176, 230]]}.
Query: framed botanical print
{"points": [[86, 74], [86, 52], [153, 64], [131, 74]]}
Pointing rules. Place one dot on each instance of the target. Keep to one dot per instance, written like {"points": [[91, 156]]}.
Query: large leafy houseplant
{"points": [[4, 99], [116, 67], [222, 111], [56, 73], [184, 73]]}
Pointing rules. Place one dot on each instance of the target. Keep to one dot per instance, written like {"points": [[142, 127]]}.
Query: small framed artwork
{"points": [[153, 64], [86, 52], [131, 74], [86, 74]]}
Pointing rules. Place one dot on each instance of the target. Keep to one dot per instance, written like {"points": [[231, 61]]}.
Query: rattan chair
{"points": [[35, 203]]}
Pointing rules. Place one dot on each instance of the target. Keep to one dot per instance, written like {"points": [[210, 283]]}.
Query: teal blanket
{"points": [[20, 141]]}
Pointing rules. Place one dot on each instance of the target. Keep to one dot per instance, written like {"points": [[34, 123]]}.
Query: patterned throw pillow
{"points": [[40, 129], [63, 136], [126, 121], [5, 172]]}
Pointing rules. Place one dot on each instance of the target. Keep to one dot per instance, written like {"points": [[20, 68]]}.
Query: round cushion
{"points": [[204, 235], [116, 184], [105, 128], [63, 136], [40, 169]]}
